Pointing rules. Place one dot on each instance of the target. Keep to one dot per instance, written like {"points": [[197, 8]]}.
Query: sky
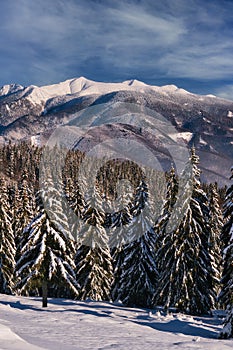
{"points": [[186, 43]]}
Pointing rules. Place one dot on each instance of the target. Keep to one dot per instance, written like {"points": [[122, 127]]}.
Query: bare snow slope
{"points": [[69, 325]]}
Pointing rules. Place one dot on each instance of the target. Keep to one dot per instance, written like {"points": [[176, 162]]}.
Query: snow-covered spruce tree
{"points": [[47, 256], [93, 259], [76, 199], [11, 161], [15, 204], [138, 279], [77, 205], [226, 295], [23, 215], [121, 216], [227, 241], [170, 200], [119, 235], [7, 244], [215, 212], [70, 191], [186, 275], [216, 225]]}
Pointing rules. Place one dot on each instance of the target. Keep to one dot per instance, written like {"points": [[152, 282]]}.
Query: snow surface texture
{"points": [[69, 325]]}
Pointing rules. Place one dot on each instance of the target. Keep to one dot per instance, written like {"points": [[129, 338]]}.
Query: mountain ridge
{"points": [[84, 86], [204, 121]]}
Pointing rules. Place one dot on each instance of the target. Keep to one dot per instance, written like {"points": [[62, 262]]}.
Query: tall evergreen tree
{"points": [[170, 200], [93, 259], [119, 235], [23, 215], [186, 275], [226, 295], [77, 204], [216, 225], [139, 276], [47, 256], [122, 216], [7, 244], [15, 204]]}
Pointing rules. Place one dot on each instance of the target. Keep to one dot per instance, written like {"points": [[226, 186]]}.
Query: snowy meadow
{"points": [[78, 325]]}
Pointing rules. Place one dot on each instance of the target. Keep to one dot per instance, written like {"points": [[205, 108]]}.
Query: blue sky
{"points": [[186, 43]]}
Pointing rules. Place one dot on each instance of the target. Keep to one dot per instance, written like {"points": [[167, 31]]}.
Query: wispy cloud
{"points": [[47, 41], [225, 91]]}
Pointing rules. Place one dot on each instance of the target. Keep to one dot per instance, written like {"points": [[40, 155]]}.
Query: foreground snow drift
{"points": [[69, 325]]}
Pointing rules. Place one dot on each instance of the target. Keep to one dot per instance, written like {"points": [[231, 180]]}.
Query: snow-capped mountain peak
{"points": [[135, 82], [10, 89], [82, 87]]}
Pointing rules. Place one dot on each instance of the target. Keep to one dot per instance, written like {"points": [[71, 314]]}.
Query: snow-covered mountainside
{"points": [[203, 121], [68, 324], [83, 87]]}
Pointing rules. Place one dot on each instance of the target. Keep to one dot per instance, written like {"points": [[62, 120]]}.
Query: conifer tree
{"points": [[93, 259], [170, 200], [15, 204], [216, 225], [7, 244], [11, 161], [186, 275], [77, 204], [23, 214], [226, 295], [139, 276], [122, 216], [119, 234], [47, 256]]}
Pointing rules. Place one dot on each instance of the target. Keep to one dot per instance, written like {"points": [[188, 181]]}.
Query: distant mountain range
{"points": [[203, 121]]}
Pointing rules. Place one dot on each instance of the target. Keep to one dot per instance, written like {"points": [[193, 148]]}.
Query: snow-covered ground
{"points": [[69, 325]]}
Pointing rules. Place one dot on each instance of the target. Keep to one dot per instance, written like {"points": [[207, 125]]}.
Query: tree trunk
{"points": [[44, 293]]}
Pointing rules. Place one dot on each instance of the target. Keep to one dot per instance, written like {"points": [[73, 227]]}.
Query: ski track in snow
{"points": [[69, 325]]}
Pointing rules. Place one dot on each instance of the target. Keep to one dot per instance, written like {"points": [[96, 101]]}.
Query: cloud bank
{"points": [[48, 41]]}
